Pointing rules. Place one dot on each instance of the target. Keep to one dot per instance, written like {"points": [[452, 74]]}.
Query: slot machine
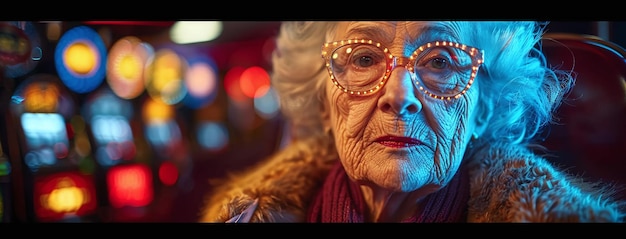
{"points": [[57, 170], [163, 128], [124, 176], [11, 38], [123, 173], [42, 177]]}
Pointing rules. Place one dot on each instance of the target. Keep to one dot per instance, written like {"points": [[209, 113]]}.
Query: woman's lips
{"points": [[398, 142]]}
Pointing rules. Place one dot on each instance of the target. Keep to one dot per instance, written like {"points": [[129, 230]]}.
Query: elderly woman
{"points": [[412, 122]]}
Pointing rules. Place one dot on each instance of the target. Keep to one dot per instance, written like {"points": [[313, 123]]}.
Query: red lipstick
{"points": [[398, 142]]}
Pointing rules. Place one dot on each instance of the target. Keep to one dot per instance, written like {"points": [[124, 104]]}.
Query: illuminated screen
{"points": [[114, 138], [162, 133], [46, 138], [64, 195], [111, 128], [130, 185], [44, 129]]}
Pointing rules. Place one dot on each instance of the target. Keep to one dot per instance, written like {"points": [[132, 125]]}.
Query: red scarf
{"points": [[341, 200]]}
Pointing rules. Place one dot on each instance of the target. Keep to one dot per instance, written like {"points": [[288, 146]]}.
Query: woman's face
{"points": [[398, 138]]}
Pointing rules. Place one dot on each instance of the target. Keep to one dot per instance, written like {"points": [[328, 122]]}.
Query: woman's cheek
{"points": [[357, 119], [346, 114], [349, 123]]}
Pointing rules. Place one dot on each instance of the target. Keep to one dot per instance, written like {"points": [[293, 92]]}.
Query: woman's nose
{"points": [[399, 93]]}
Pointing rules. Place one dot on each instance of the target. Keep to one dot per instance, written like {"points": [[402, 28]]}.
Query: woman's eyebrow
{"points": [[370, 32], [430, 33]]}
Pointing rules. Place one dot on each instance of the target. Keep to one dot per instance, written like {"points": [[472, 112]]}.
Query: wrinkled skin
{"points": [[395, 175]]}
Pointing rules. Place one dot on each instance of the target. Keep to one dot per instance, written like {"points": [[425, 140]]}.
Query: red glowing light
{"points": [[232, 85], [64, 194], [168, 173], [130, 185], [253, 79]]}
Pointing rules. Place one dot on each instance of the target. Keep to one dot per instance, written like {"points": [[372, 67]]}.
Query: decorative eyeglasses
{"points": [[440, 69]]}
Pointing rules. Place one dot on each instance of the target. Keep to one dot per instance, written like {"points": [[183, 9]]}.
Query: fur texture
{"points": [[511, 184], [508, 183]]}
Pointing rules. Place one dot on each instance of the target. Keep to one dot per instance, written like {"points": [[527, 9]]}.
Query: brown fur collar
{"points": [[508, 184], [511, 184]]}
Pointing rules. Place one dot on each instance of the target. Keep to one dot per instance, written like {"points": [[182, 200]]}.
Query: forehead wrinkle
{"points": [[370, 31], [401, 37], [434, 32]]}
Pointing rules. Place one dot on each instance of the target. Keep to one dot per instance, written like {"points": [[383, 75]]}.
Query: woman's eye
{"points": [[364, 61], [366, 56], [439, 63], [439, 58]]}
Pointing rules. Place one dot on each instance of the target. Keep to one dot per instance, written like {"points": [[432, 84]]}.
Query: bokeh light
{"points": [[65, 194], [266, 102], [168, 173], [42, 93], [161, 129], [127, 61], [80, 58], [187, 32], [201, 82], [252, 79], [105, 102], [14, 45], [41, 97], [156, 111], [164, 77], [130, 185], [232, 84], [212, 135], [20, 48]]}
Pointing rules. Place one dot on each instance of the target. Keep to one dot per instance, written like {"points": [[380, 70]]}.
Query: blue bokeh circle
{"points": [[81, 83]]}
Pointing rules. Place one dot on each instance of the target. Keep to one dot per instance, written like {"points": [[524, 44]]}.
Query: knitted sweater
{"points": [[508, 183]]}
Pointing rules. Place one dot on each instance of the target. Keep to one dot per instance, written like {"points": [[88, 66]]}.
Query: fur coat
{"points": [[507, 184]]}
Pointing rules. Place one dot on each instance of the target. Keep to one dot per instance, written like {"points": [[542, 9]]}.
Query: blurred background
{"points": [[128, 121]]}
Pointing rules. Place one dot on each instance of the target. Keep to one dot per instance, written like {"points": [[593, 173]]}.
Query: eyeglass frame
{"points": [[476, 55]]}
